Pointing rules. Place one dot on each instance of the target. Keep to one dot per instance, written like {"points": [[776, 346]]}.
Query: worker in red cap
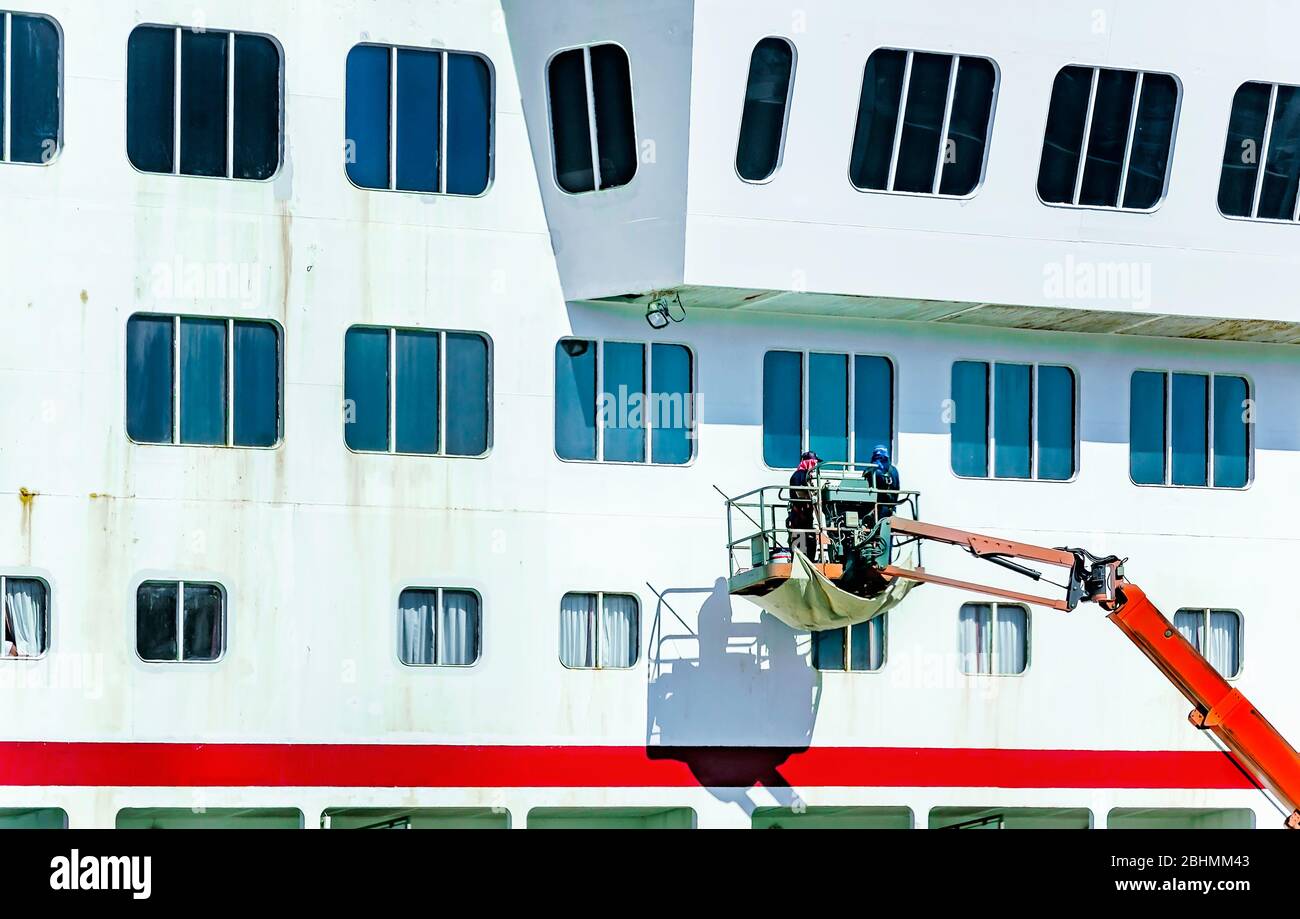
{"points": [[803, 507]]}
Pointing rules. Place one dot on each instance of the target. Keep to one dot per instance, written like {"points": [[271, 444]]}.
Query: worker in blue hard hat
{"points": [[883, 476]]}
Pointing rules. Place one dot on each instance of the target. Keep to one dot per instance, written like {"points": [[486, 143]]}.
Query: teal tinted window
{"points": [[1147, 428], [873, 405], [782, 408], [1190, 429], [203, 381], [635, 423], [257, 384], [1012, 421], [419, 95], [1056, 423], [1033, 426], [434, 398], [29, 68], [828, 406], [859, 648], [368, 109], [970, 418], [850, 406], [150, 353], [1231, 432]]}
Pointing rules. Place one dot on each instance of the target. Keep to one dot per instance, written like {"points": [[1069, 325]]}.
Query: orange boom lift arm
{"points": [[1254, 744]]}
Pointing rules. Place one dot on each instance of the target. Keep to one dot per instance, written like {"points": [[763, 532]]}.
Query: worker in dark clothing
{"points": [[883, 476], [803, 507]]}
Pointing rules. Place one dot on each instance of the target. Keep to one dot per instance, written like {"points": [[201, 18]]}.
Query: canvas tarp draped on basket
{"points": [[809, 601]]}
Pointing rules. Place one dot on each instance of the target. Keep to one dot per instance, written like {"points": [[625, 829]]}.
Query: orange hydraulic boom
{"points": [[1255, 744]]}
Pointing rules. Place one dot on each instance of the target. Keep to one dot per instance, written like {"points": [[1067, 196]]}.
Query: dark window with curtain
{"points": [[1108, 139], [850, 406], [1216, 636], [414, 391], [858, 648], [1021, 417], [180, 622], [419, 120], [582, 81], [1263, 130], [229, 100], [439, 627], [185, 385], [923, 123], [30, 74], [25, 630], [767, 109], [605, 412], [1190, 429]]}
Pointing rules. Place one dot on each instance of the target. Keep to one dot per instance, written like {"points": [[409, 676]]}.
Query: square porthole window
{"points": [[1013, 421], [25, 603], [993, 639], [600, 631], [180, 622], [593, 128], [31, 89], [439, 627], [1216, 636], [1191, 429], [1261, 159], [204, 103]]}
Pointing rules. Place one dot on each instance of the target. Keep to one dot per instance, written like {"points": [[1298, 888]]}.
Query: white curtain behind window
{"points": [[417, 610], [458, 628], [619, 638], [1188, 622], [1011, 643], [25, 616], [972, 626], [577, 630], [1223, 648]]}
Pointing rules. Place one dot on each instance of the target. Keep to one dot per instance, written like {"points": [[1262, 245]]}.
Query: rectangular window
{"points": [[204, 103], [1189, 429], [419, 120], [1026, 421], [180, 622], [599, 631], [439, 628], [417, 391], [939, 145], [1216, 635], [1264, 128], [1109, 137], [603, 412], [858, 648], [592, 124], [202, 382], [767, 110], [26, 631], [839, 405], [31, 89], [993, 638]]}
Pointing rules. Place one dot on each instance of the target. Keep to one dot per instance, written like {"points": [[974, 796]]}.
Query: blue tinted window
{"points": [[828, 649], [575, 400], [469, 124], [867, 645], [1231, 432], [1012, 421], [204, 91], [970, 419], [782, 408], [621, 408], [150, 99], [828, 406], [672, 410], [203, 381], [417, 392], [419, 94], [368, 109], [1190, 429], [1055, 423], [257, 384], [149, 353], [365, 389], [1147, 428], [873, 405], [467, 394], [34, 89]]}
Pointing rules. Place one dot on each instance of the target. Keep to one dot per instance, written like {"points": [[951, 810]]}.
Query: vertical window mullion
{"points": [[230, 106], [230, 383], [1128, 140], [1033, 421], [647, 387], [947, 124], [442, 121], [850, 423], [591, 119], [1263, 153], [1169, 428], [392, 119], [176, 108], [595, 628], [804, 391], [991, 428], [902, 117], [442, 393], [392, 390], [433, 630], [176, 380], [180, 622], [600, 400], [1209, 434], [6, 86], [1087, 135]]}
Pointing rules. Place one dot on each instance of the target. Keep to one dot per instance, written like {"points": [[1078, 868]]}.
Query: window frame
{"points": [[600, 596], [1273, 86], [848, 649], [177, 318], [1241, 634], [13, 574], [1209, 431], [230, 105], [1128, 148], [6, 86], [993, 621], [392, 330], [947, 124], [586, 48], [179, 582], [397, 636], [785, 124], [647, 348], [392, 188], [990, 438], [850, 404]]}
